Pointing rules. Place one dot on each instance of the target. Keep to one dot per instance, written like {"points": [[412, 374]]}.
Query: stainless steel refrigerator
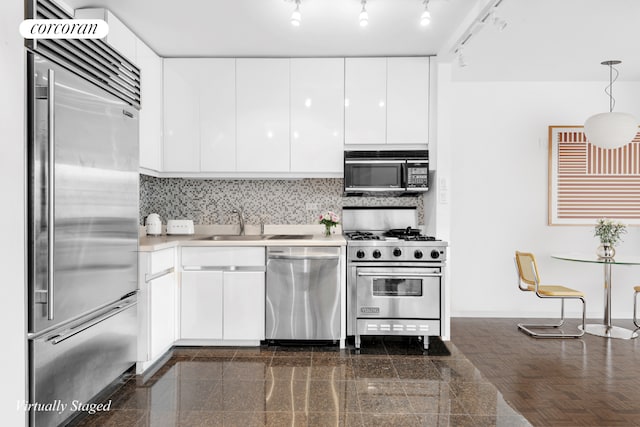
{"points": [[83, 238]]}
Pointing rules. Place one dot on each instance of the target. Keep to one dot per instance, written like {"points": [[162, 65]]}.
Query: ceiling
{"points": [[544, 40]]}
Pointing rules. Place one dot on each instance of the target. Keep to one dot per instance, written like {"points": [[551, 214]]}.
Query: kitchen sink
{"points": [[235, 237]]}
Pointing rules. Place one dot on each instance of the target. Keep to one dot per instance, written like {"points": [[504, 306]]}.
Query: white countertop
{"points": [[154, 243]]}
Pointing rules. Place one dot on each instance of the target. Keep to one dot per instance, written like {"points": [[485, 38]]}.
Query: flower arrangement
{"points": [[609, 231], [329, 219]]}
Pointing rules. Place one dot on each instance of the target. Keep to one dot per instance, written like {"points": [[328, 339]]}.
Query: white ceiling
{"points": [[544, 39]]}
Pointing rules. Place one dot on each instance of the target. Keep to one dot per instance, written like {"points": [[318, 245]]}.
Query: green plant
{"points": [[609, 231]]}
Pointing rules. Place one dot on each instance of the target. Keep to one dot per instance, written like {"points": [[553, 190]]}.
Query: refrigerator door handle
{"points": [[51, 192], [57, 339]]}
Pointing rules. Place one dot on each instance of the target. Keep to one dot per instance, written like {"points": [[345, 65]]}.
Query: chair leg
{"points": [[527, 328], [635, 303]]}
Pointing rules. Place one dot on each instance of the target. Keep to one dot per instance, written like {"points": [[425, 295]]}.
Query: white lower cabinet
{"points": [[201, 305], [156, 305], [244, 305], [222, 295]]}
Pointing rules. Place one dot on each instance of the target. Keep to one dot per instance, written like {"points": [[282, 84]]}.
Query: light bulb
{"points": [[296, 16], [364, 17], [425, 18]]}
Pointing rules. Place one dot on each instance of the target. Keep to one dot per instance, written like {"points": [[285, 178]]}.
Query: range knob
{"points": [[377, 254], [418, 253], [435, 254], [397, 252], [360, 253]]}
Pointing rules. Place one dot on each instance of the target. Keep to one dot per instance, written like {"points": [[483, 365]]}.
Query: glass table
{"points": [[605, 329]]}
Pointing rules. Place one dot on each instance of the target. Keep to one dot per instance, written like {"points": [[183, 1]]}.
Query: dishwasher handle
{"points": [[304, 257]]}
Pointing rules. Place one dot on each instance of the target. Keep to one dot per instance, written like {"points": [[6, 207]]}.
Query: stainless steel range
{"points": [[394, 274]]}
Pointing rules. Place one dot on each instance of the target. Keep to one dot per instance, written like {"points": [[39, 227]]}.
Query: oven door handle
{"points": [[399, 276]]}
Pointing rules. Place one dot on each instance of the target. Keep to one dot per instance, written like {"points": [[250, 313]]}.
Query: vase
{"points": [[606, 250], [327, 230]]}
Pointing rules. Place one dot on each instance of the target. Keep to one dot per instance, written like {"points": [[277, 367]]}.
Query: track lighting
{"points": [[364, 16], [499, 22], [486, 16], [425, 18], [296, 16], [461, 60]]}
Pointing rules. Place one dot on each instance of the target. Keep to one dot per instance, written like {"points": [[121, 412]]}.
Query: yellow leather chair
{"points": [[529, 281], [635, 301]]}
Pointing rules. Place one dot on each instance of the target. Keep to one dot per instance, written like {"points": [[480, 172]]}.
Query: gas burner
{"points": [[362, 235]]}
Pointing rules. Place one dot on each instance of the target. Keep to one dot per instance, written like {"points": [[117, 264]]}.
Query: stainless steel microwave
{"points": [[396, 172]]}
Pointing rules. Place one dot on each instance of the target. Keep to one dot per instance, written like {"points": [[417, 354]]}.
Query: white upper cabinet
{"points": [[387, 101], [199, 115], [217, 90], [407, 100], [317, 115], [262, 96], [150, 128], [181, 151], [365, 100], [119, 37]]}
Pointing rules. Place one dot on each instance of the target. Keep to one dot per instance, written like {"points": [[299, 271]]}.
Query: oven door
{"points": [[398, 292], [374, 175]]}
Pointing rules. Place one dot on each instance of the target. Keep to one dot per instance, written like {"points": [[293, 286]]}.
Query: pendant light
{"points": [[611, 130]]}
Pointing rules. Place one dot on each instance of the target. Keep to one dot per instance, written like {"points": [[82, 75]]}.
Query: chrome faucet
{"points": [[240, 213]]}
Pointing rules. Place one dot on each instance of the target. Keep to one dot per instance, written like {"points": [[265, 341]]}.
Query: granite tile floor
{"points": [[390, 382]]}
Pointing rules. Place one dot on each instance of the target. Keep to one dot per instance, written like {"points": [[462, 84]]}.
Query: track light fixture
{"points": [[461, 60], [364, 16], [296, 16], [425, 18], [486, 16], [497, 21]]}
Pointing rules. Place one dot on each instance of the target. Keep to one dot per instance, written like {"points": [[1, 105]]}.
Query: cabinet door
{"points": [[262, 115], [181, 150], [317, 115], [407, 100], [151, 112], [201, 305], [162, 294], [365, 100], [217, 114], [244, 305]]}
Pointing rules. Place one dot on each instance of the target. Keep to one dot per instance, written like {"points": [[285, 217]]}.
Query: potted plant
{"points": [[609, 232]]}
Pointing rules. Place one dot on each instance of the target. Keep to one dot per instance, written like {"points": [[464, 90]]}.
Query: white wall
{"points": [[12, 215], [499, 155]]}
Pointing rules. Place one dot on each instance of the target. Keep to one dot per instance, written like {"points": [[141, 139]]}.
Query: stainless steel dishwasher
{"points": [[303, 293]]}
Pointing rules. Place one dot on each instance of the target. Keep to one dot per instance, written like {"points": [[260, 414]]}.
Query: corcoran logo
{"points": [[64, 28], [370, 310]]}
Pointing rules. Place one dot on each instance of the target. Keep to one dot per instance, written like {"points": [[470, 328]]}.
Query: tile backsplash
{"points": [[274, 201]]}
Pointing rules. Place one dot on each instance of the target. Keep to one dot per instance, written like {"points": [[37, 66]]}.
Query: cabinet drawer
{"points": [[161, 260], [223, 257]]}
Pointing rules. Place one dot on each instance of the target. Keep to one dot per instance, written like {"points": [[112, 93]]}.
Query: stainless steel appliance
{"points": [[303, 293], [391, 172], [83, 221], [394, 274]]}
